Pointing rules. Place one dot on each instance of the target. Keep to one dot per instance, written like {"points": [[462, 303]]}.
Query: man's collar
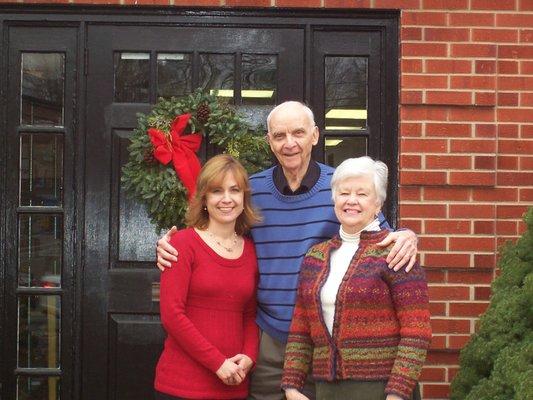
{"points": [[309, 180]]}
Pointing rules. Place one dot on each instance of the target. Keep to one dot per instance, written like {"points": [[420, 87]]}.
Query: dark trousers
{"points": [[356, 390]]}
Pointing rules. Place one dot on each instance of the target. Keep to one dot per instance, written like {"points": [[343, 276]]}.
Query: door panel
{"points": [[122, 336]]}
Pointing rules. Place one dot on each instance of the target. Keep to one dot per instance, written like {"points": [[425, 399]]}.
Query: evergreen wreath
{"points": [[156, 185]]}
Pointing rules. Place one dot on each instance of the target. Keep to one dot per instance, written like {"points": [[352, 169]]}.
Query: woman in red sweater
{"points": [[207, 303]]}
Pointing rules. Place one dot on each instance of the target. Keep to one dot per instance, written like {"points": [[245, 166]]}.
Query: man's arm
{"points": [[166, 254]]}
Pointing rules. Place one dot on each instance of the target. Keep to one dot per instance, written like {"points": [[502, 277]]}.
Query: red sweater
{"points": [[208, 310]]}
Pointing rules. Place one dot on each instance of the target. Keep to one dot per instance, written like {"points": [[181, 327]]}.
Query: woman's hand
{"points": [[393, 397], [166, 254], [230, 373], [403, 253], [243, 361], [294, 394]]}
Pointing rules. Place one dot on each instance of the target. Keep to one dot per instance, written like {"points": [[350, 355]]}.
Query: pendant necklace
{"points": [[228, 249]]}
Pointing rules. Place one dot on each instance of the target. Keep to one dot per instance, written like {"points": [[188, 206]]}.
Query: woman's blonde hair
{"points": [[212, 174]]}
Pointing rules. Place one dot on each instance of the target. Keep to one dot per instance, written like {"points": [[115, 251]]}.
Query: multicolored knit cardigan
{"points": [[381, 329]]}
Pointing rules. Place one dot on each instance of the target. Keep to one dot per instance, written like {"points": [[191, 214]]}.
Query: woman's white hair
{"points": [[355, 167]]}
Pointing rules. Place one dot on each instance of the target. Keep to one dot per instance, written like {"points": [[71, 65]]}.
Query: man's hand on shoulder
{"points": [[166, 254], [403, 253]]}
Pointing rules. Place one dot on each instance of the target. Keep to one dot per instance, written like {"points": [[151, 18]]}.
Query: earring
{"points": [[205, 208]]}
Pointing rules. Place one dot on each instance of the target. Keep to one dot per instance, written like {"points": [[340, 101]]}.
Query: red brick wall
{"points": [[466, 146]]}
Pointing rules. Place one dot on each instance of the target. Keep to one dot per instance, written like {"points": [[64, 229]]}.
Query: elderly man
{"points": [[295, 201]]}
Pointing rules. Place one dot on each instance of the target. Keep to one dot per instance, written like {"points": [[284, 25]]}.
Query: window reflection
{"points": [[259, 78], [346, 93], [132, 77], [38, 331], [41, 170], [42, 89], [339, 148], [37, 388], [217, 74], [174, 74], [40, 248]]}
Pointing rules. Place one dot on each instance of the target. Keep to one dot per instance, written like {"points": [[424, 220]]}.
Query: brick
{"points": [[473, 82], [410, 129], [424, 50], [449, 97], [423, 18], [435, 276], [422, 178], [472, 211], [508, 67], [471, 19], [472, 178], [507, 130], [470, 243], [424, 81], [441, 358], [507, 162], [448, 162], [521, 227], [423, 210], [448, 66], [298, 3], [446, 34], [526, 67], [482, 293], [472, 50], [448, 129], [446, 226], [332, 3], [448, 193], [432, 374], [474, 276], [410, 193], [495, 35], [507, 99], [484, 260], [410, 162], [484, 162], [483, 114], [525, 5], [495, 194], [431, 243], [472, 146], [467, 309], [507, 146], [526, 99], [411, 97], [485, 99], [458, 341], [485, 66], [526, 131], [441, 325], [484, 227], [492, 5], [514, 115], [438, 342], [446, 260], [510, 212], [526, 35], [514, 178], [423, 145], [515, 83], [448, 292], [413, 224], [485, 130], [526, 194], [423, 113], [445, 4], [412, 66], [411, 33], [398, 4], [515, 20], [506, 228], [515, 51]]}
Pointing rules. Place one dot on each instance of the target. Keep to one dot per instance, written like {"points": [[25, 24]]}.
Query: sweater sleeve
{"points": [[299, 350], [251, 331], [174, 289], [410, 296]]}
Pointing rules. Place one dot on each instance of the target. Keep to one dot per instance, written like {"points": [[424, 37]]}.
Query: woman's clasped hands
{"points": [[234, 369]]}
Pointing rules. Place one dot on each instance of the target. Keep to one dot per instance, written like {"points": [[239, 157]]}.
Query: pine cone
{"points": [[203, 113], [149, 157]]}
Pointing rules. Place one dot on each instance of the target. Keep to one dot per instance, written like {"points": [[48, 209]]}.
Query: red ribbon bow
{"points": [[181, 149]]}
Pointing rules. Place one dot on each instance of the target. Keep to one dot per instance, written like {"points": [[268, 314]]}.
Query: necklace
{"points": [[228, 249]]}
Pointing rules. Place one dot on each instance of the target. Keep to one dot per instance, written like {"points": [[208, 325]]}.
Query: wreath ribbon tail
{"points": [[187, 167]]}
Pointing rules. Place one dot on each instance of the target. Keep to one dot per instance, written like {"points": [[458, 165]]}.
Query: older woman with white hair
{"points": [[363, 328]]}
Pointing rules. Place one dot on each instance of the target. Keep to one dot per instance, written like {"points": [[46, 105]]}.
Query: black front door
{"points": [[128, 68]]}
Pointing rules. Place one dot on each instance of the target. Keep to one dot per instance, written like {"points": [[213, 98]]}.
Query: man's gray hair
{"points": [[306, 109], [355, 167]]}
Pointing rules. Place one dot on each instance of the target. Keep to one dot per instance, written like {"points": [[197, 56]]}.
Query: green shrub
{"points": [[497, 362]]}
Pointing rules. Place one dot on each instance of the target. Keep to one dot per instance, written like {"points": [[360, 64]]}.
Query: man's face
{"points": [[291, 136]]}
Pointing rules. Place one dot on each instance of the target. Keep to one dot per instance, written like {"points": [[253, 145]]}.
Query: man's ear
{"points": [[316, 135]]}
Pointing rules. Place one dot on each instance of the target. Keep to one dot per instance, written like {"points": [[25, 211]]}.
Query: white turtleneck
{"points": [[338, 265]]}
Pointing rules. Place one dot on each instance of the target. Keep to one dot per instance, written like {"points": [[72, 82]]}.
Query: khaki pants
{"points": [[266, 378]]}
